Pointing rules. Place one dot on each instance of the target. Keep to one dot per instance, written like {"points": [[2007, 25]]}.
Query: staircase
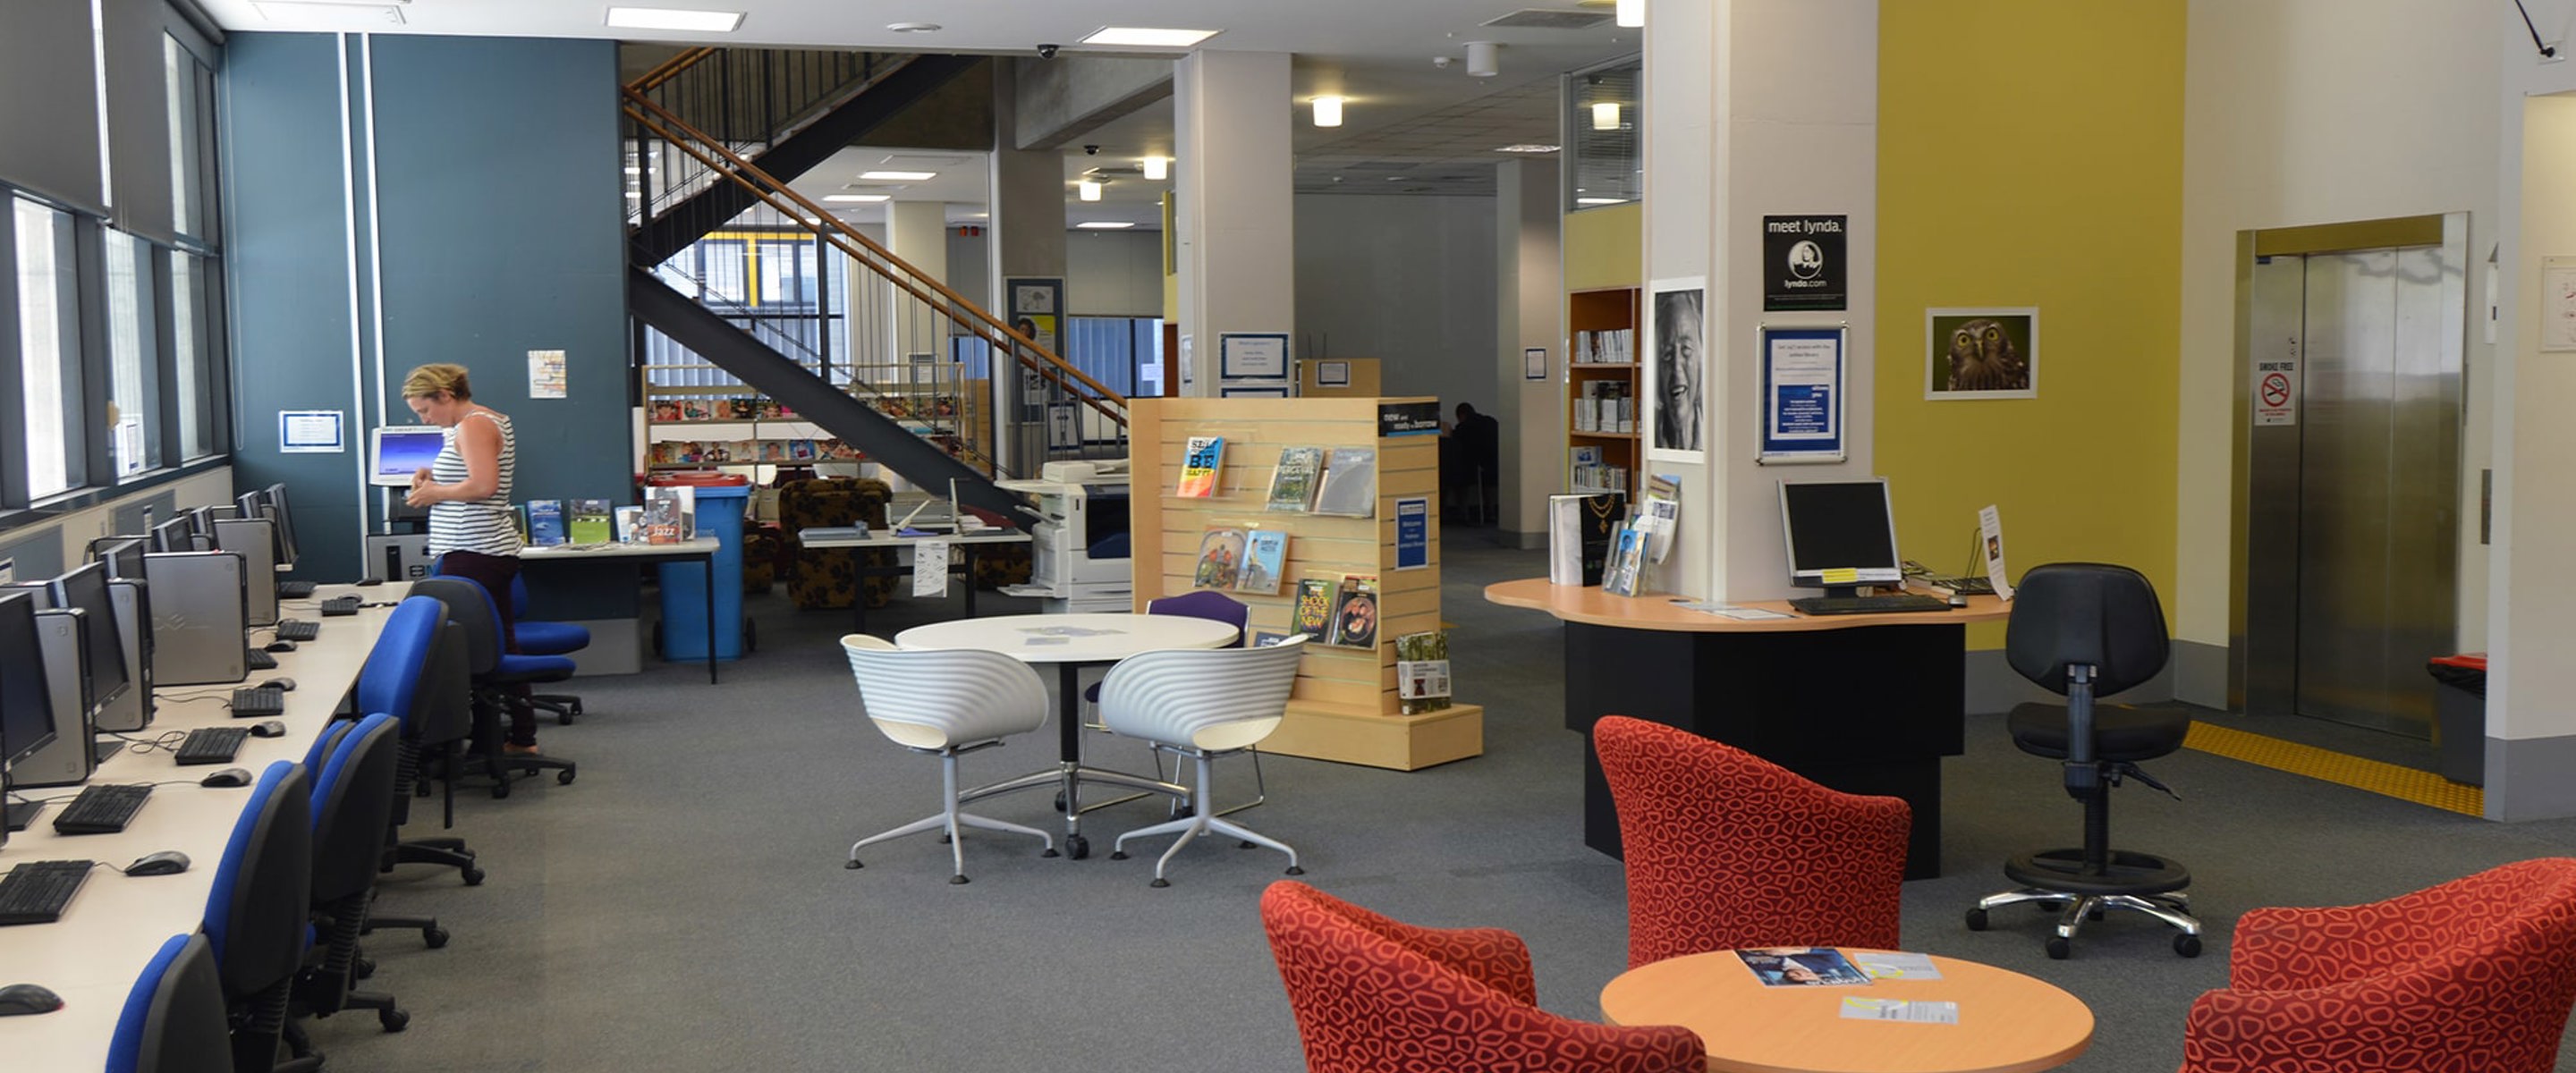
{"points": [[714, 136]]}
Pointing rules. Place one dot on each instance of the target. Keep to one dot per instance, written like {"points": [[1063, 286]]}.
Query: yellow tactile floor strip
{"points": [[2388, 780]]}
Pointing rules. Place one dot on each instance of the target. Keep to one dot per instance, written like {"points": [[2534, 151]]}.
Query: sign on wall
{"points": [[1802, 264]]}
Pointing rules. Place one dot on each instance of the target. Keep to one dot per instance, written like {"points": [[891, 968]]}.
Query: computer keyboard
{"points": [[212, 745], [296, 629], [1866, 605], [258, 660], [340, 605], [294, 590], [259, 702], [101, 809], [37, 892]]}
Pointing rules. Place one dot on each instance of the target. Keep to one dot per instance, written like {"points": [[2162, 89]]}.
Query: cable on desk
{"points": [[168, 741]]}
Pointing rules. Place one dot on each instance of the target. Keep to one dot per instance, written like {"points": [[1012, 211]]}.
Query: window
{"points": [[49, 347], [192, 357], [1602, 118], [189, 88], [133, 375]]}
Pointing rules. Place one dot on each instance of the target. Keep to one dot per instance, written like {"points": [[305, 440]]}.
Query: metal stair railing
{"points": [[745, 99]]}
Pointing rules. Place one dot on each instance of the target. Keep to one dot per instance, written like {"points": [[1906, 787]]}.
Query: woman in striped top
{"points": [[467, 491]]}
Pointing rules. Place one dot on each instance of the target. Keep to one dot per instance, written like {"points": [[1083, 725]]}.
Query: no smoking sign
{"points": [[2276, 393]]}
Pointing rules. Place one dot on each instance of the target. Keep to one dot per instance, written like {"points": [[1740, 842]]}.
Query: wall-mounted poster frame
{"points": [[1982, 353], [1802, 397], [1333, 374], [1252, 391], [1672, 414], [1252, 356]]}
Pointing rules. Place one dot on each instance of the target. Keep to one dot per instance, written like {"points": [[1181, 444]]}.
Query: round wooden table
{"points": [[2008, 1022]]}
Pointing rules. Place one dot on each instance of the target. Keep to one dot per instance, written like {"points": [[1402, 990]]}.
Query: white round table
{"points": [[1072, 642]]}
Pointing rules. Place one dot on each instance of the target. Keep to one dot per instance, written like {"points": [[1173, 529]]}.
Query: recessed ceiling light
{"points": [[1328, 111], [915, 27], [1527, 147], [1088, 190], [855, 197], [1599, 200], [899, 176], [1147, 37], [1158, 168], [674, 18], [1105, 225]]}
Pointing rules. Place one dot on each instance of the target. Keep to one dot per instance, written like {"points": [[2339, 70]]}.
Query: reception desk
{"points": [[1866, 704]]}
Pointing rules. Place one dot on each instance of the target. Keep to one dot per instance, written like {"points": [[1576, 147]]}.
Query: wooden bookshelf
{"points": [[1600, 310], [1344, 707]]}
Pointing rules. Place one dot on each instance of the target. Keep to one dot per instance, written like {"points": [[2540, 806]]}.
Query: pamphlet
{"points": [[1802, 966], [1856, 1008], [1890, 965], [1200, 459], [1733, 611]]}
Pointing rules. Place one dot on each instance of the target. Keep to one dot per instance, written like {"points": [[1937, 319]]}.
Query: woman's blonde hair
{"points": [[441, 378]]}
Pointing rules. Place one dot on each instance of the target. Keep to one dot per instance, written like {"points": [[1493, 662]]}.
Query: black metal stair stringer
{"points": [[883, 439], [691, 219]]}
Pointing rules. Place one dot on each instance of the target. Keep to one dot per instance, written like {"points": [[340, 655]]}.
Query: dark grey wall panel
{"points": [[49, 103]]}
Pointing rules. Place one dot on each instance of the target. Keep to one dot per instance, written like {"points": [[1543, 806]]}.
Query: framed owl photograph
{"points": [[1981, 353]]}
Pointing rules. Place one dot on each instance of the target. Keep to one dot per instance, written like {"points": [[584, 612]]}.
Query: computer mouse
{"points": [[268, 728], [366, 581], [287, 684], [231, 776], [16, 999], [168, 862], [1958, 599], [278, 646]]}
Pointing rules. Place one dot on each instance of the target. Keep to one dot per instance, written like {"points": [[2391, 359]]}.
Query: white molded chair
{"points": [[1201, 703], [946, 703]]}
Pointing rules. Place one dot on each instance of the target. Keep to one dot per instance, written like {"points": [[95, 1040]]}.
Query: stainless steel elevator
{"points": [[2350, 411]]}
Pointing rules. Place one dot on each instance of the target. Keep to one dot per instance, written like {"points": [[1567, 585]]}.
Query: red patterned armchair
{"points": [[1728, 850], [2473, 976], [1374, 995]]}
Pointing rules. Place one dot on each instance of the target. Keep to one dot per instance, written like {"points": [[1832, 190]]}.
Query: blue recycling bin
{"points": [[720, 502]]}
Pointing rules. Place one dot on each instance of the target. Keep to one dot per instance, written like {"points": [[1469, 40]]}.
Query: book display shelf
{"points": [[1345, 706], [702, 424], [1602, 391]]}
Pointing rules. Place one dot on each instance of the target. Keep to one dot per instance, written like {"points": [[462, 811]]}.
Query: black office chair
{"points": [[256, 915], [496, 674], [352, 800], [2086, 629], [173, 1020]]}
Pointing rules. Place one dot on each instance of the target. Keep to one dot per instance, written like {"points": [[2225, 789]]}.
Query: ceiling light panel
{"points": [[674, 18], [862, 198], [899, 176], [1147, 37], [1105, 225]]}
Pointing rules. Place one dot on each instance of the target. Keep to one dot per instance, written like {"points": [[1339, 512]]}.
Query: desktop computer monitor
{"points": [[177, 534], [398, 451], [85, 590], [1841, 535], [122, 554], [281, 520], [26, 699]]}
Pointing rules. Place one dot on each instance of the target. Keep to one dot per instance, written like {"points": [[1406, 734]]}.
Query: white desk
{"points": [[92, 956], [841, 537], [695, 549], [1094, 639]]}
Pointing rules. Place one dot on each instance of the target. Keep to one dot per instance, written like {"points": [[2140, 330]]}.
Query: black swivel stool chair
{"points": [[2082, 630]]}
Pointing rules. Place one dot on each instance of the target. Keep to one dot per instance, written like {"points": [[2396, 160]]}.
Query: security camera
{"points": [[1047, 52], [1091, 150], [1442, 62]]}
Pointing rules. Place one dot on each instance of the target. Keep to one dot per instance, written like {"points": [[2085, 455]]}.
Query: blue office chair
{"points": [[538, 637], [256, 916], [417, 675], [173, 1021], [496, 674], [353, 802]]}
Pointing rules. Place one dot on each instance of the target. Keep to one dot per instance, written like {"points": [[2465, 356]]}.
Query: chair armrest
{"points": [[2280, 948], [1491, 956], [2382, 1024]]}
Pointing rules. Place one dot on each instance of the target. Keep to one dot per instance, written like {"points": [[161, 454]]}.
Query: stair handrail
{"points": [[768, 190], [670, 69]]}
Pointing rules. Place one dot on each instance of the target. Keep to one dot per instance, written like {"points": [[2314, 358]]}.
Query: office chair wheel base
{"points": [[473, 877], [2187, 945], [956, 881], [1077, 847], [501, 790], [1245, 844], [433, 937], [1976, 920], [564, 777], [393, 1020], [1050, 852], [2059, 949], [1059, 801], [854, 864], [362, 969], [1296, 871], [1159, 883], [1117, 854]]}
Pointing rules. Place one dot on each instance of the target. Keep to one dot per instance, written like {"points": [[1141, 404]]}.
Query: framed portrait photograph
{"points": [[1981, 353], [1673, 419]]}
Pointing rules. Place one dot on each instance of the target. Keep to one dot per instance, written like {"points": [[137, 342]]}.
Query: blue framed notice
{"points": [[1802, 394], [1412, 533], [310, 432]]}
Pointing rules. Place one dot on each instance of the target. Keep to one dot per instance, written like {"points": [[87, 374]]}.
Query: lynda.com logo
{"points": [[1806, 259]]}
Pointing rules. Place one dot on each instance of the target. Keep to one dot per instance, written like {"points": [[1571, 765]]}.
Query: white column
{"points": [[1236, 227], [917, 231], [1529, 231]]}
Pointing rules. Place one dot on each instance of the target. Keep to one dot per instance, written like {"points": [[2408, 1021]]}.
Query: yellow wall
{"points": [[1605, 247], [2030, 154]]}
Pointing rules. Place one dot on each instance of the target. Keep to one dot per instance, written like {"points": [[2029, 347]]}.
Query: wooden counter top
{"points": [[1658, 611]]}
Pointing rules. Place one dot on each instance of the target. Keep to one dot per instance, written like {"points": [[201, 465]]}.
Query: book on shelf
{"points": [[1422, 672], [629, 524], [697, 410], [666, 410], [545, 522], [1292, 485], [1579, 531], [1220, 559], [1355, 612], [1265, 555], [1349, 487], [1311, 617], [586, 521], [1606, 346], [1802, 966], [1200, 461]]}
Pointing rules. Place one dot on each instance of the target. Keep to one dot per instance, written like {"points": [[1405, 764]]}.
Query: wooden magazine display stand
{"points": [[1344, 707]]}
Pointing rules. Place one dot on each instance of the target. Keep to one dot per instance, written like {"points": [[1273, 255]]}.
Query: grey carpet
{"points": [[683, 906]]}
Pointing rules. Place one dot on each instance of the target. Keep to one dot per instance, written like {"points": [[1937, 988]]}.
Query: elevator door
{"points": [[2352, 550]]}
